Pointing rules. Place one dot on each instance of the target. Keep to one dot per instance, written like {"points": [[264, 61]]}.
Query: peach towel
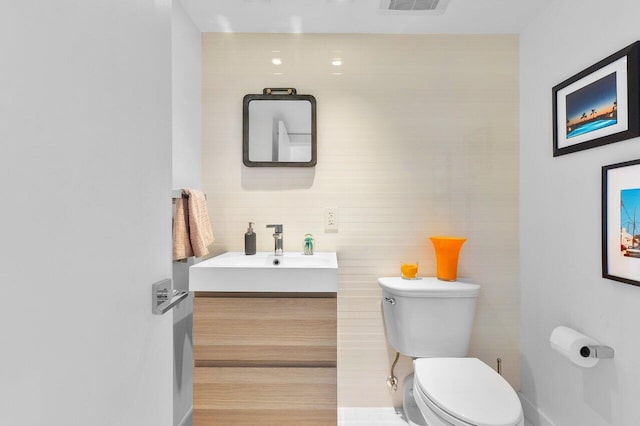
{"points": [[191, 226]]}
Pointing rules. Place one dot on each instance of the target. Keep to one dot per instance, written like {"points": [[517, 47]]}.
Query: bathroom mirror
{"points": [[279, 129]]}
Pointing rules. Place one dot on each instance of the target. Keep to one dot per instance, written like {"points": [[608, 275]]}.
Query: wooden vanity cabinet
{"points": [[264, 359]]}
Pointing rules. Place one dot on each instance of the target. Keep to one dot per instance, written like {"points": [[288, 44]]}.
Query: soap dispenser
{"points": [[250, 241]]}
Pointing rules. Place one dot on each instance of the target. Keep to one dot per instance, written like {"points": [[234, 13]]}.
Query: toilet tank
{"points": [[428, 317]]}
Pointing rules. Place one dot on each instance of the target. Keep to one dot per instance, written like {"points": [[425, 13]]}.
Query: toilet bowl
{"points": [[431, 321]]}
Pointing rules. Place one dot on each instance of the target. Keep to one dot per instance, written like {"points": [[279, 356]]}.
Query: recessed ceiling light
{"points": [[336, 62], [296, 24], [276, 61], [223, 23]]}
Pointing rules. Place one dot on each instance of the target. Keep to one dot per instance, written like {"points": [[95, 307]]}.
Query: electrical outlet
{"points": [[331, 219]]}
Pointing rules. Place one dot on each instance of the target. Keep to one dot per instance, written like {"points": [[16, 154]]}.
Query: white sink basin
{"points": [[265, 272]]}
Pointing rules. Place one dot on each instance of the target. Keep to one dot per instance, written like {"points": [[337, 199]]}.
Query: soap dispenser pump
{"points": [[250, 241]]}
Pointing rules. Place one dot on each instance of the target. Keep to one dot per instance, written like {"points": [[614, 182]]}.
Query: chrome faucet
{"points": [[277, 236]]}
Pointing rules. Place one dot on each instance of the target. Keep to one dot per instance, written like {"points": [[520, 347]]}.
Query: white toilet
{"points": [[431, 321]]}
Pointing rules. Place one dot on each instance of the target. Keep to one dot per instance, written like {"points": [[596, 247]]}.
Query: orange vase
{"points": [[447, 251]]}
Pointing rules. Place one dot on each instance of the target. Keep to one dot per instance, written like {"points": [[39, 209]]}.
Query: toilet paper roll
{"points": [[568, 342]]}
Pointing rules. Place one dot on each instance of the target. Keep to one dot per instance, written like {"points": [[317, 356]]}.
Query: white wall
{"points": [[85, 163], [560, 254], [186, 173], [186, 100], [417, 136]]}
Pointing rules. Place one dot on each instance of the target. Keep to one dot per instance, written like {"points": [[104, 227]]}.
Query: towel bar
{"points": [[176, 194], [163, 297]]}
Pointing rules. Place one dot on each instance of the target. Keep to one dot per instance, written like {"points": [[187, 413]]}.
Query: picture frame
{"points": [[621, 222], [599, 105]]}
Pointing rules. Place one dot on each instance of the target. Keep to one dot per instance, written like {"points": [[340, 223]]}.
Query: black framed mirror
{"points": [[279, 129]]}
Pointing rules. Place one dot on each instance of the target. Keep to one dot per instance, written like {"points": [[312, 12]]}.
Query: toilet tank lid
{"points": [[429, 287]]}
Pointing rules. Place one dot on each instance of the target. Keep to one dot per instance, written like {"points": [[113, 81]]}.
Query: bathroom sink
{"points": [[265, 272]]}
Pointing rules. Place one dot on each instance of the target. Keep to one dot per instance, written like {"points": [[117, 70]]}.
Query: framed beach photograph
{"points": [[621, 222], [599, 105]]}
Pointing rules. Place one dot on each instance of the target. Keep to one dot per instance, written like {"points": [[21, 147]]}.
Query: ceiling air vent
{"points": [[422, 7]]}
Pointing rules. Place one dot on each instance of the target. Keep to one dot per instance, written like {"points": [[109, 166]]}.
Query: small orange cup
{"points": [[409, 271]]}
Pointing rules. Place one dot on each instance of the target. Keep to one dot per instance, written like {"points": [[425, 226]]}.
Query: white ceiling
{"points": [[359, 16]]}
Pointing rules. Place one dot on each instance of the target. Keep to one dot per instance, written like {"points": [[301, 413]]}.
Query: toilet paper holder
{"points": [[596, 351]]}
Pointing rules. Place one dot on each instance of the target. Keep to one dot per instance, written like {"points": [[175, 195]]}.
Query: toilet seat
{"points": [[466, 391]]}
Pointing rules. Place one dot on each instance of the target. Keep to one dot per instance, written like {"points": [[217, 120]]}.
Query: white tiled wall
{"points": [[417, 136]]}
